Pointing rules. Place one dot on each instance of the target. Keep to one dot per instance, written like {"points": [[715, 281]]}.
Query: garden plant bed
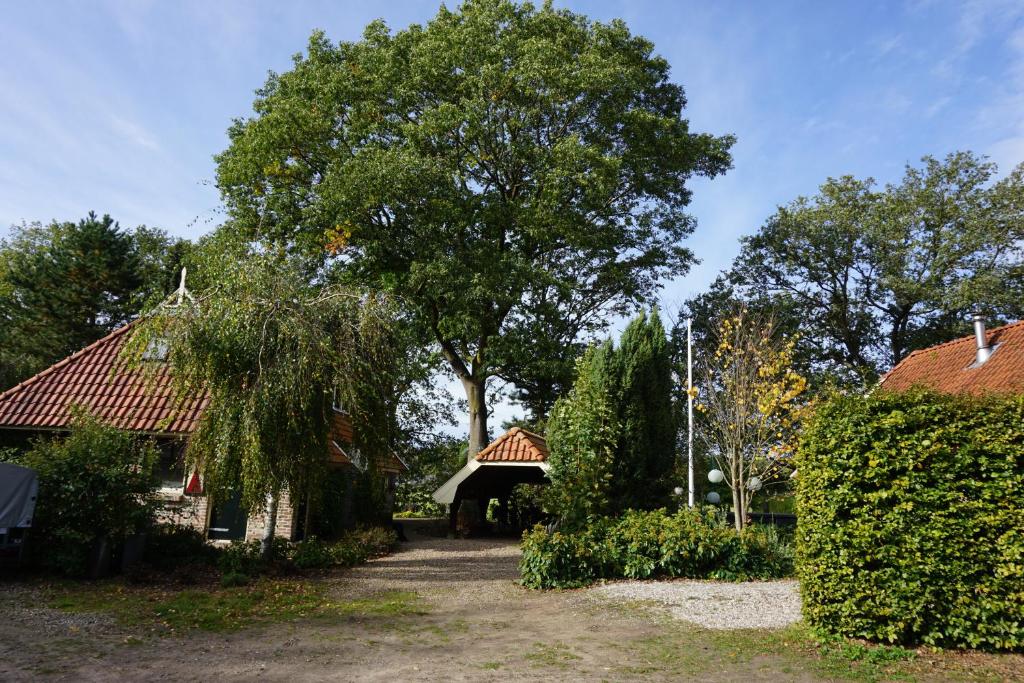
{"points": [[437, 609]]}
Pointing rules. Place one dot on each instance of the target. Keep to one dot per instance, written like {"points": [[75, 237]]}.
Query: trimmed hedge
{"points": [[910, 513], [696, 543]]}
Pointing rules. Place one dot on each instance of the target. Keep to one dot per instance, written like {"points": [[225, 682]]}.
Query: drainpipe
{"points": [[983, 350]]}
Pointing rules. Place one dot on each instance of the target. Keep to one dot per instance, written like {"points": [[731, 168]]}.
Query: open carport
{"points": [[516, 457]]}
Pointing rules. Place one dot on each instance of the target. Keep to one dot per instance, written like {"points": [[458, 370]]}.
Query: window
{"points": [[336, 403], [170, 469], [156, 350]]}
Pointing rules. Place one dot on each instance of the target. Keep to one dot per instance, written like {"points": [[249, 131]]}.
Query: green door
{"points": [[227, 519]]}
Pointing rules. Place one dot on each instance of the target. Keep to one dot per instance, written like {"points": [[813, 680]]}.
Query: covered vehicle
{"points": [[19, 487]]}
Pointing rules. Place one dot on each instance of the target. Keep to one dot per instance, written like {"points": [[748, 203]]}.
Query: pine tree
{"points": [[65, 285], [646, 450]]}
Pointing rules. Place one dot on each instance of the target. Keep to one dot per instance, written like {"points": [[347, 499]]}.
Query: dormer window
{"points": [[157, 350]]}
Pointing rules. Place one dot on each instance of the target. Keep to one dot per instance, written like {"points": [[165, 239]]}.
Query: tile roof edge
{"points": [[958, 340], [965, 338], [46, 372]]}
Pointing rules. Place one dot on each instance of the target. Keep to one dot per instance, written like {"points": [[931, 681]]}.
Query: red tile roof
{"points": [[95, 379], [516, 445], [948, 367]]}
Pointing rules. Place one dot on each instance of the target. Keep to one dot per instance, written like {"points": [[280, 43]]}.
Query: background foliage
{"points": [[911, 519], [867, 274], [66, 284]]}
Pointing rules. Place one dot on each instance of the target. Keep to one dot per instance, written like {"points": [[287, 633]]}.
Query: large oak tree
{"points": [[514, 174]]}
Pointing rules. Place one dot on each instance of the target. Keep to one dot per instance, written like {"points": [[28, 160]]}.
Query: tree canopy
{"points": [[66, 284], [869, 274], [515, 174]]}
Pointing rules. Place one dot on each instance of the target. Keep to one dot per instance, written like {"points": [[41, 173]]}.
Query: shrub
{"points": [[696, 543], [234, 580], [245, 557], [910, 524], [354, 547], [96, 482], [171, 546]]}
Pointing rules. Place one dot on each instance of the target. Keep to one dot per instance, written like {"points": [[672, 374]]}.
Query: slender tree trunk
{"points": [[269, 527], [477, 399], [736, 484]]}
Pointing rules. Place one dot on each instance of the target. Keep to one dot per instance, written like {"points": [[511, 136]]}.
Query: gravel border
{"points": [[715, 604]]}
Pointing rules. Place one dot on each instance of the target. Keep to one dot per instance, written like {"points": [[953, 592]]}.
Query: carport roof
{"points": [[516, 445], [514, 457]]}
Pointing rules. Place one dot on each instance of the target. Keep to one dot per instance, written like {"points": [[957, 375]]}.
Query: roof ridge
{"points": [[67, 360], [958, 340], [965, 338]]}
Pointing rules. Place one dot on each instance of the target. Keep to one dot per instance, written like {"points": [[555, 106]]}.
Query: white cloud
{"points": [[134, 133]]}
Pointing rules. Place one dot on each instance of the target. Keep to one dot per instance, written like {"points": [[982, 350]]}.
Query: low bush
{"points": [[354, 547], [245, 557], [697, 543], [95, 485], [910, 512], [170, 546]]}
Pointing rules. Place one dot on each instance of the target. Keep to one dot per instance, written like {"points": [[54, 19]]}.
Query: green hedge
{"points": [[911, 520], [695, 543], [354, 547]]}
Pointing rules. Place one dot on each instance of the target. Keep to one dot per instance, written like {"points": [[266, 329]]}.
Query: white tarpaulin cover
{"points": [[18, 490]]}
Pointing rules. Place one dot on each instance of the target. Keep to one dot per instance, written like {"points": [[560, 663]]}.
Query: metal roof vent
{"points": [[983, 350]]}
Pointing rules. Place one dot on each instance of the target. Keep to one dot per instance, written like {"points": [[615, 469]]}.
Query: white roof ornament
{"points": [[180, 295]]}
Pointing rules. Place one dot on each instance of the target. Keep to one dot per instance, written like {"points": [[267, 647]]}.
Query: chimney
{"points": [[980, 340]]}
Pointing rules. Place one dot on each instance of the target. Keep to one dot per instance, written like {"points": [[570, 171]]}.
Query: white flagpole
{"points": [[689, 407]]}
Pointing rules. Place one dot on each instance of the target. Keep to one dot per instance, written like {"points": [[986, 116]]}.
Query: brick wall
{"points": [[191, 511], [286, 521]]}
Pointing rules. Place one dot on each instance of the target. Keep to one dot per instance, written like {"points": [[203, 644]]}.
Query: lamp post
{"points": [[689, 409]]}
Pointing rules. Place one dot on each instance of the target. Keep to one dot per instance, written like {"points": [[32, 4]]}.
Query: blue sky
{"points": [[119, 106]]}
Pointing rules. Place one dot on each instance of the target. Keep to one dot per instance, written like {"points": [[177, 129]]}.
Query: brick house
{"points": [[989, 361], [97, 381]]}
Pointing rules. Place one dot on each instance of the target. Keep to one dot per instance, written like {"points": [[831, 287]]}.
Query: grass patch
{"points": [[224, 609], [680, 650], [266, 601], [557, 655], [386, 604]]}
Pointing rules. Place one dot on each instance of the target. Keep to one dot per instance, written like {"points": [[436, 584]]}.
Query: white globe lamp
{"points": [[678, 490], [716, 476], [713, 498], [754, 484]]}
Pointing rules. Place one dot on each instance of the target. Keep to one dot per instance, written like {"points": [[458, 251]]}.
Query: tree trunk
{"points": [[736, 486], [269, 527], [477, 399]]}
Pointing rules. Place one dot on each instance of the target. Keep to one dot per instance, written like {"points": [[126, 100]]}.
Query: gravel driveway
{"points": [[714, 604], [471, 622]]}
